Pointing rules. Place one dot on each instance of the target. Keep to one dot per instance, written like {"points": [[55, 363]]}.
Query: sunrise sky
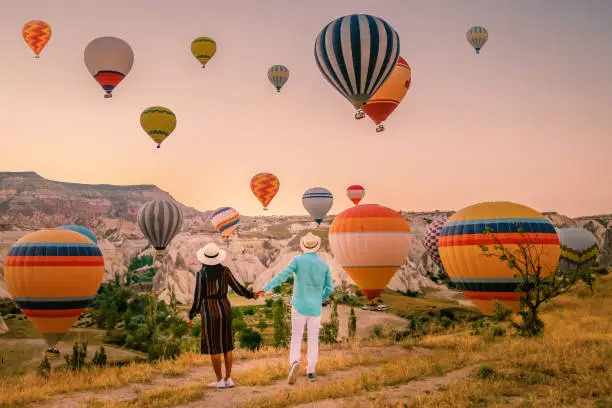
{"points": [[528, 120]]}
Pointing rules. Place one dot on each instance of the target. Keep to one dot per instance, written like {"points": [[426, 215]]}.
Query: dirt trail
{"points": [[391, 396], [203, 375]]}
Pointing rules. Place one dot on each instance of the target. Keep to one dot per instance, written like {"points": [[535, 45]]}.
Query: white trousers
{"points": [[313, 324]]}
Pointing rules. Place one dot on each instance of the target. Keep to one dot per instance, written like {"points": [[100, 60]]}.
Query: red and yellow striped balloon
{"points": [[370, 242], [36, 34], [485, 279], [265, 186], [53, 274], [389, 96]]}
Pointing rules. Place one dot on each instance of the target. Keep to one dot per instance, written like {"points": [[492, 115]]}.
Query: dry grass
{"points": [[167, 397]]}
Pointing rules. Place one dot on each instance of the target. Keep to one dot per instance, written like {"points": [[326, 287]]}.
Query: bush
{"points": [[76, 361], [501, 312], [249, 311], [44, 369], [485, 372], [100, 357], [446, 322], [447, 313], [262, 325], [250, 339], [352, 324], [164, 349], [196, 330], [281, 328], [180, 328], [269, 303], [238, 324], [328, 333], [377, 331]]}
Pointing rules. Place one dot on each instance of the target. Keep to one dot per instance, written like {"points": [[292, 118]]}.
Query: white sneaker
{"points": [[229, 383], [293, 372], [217, 384]]}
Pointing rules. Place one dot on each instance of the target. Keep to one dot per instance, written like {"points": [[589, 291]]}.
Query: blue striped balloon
{"points": [[81, 230], [317, 201], [278, 75], [356, 54]]}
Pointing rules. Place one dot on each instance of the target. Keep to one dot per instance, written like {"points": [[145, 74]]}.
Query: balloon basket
{"points": [[52, 354], [106, 96], [37, 56], [380, 128], [360, 114]]}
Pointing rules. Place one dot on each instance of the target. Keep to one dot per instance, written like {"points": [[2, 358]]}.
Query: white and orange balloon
{"points": [[355, 193]]}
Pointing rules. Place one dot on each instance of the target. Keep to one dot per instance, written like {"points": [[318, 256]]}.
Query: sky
{"points": [[528, 120]]}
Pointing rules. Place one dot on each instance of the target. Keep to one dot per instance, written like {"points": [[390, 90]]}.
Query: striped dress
{"points": [[210, 300]]}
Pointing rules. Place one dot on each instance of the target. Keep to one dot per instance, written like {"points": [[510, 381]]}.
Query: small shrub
{"points": [[377, 331], [501, 312], [100, 357], [262, 325], [44, 369], [532, 378], [438, 369], [269, 303], [196, 330], [485, 372], [447, 313], [328, 333], [249, 311], [250, 339], [352, 324], [446, 322]]}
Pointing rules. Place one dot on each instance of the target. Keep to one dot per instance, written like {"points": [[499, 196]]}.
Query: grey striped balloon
{"points": [[160, 221], [356, 54]]}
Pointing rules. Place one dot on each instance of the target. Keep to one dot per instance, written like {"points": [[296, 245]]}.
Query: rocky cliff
{"points": [[259, 248]]}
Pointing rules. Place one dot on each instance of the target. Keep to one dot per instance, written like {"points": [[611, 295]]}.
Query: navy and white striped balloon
{"points": [[317, 201], [356, 54], [160, 221]]}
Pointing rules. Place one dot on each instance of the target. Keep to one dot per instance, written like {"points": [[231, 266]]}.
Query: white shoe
{"points": [[293, 372], [217, 384], [229, 383]]}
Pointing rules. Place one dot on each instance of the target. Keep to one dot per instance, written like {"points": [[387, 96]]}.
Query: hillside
{"points": [[259, 248], [458, 365]]}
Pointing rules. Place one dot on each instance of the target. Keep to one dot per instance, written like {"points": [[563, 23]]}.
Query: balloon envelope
{"points": [[81, 230], [356, 54], [158, 122], [431, 237], [355, 193], [578, 247], [225, 220], [317, 201], [160, 221], [278, 75], [265, 186], [203, 49], [109, 60], [390, 94], [53, 274], [484, 279], [477, 36], [370, 242], [36, 34]]}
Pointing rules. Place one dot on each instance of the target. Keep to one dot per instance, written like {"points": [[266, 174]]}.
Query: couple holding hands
{"points": [[312, 284]]}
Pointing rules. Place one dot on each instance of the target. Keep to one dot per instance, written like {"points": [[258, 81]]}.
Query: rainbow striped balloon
{"points": [[53, 274], [225, 220], [485, 279], [371, 242]]}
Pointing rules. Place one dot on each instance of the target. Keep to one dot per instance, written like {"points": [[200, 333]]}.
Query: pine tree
{"points": [[335, 322], [352, 324], [281, 328]]}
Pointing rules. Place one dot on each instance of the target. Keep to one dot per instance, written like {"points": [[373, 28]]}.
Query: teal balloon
{"points": [[81, 230]]}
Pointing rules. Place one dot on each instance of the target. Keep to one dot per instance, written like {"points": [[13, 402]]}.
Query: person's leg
{"points": [[215, 359], [314, 325], [298, 321], [228, 364]]}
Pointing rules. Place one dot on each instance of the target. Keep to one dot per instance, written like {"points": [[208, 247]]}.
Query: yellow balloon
{"points": [[203, 48], [158, 122]]}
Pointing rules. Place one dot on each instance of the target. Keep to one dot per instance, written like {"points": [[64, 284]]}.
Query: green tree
{"points": [[44, 369], [76, 361], [352, 324], [281, 328], [537, 288], [100, 357], [250, 339]]}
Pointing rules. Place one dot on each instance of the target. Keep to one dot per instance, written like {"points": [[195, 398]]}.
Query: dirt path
{"points": [[203, 375], [365, 320], [391, 396]]}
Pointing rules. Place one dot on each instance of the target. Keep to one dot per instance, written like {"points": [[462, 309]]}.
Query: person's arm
{"points": [[197, 297], [328, 287], [282, 276], [236, 286]]}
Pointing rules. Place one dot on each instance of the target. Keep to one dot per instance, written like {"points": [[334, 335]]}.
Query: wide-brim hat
{"points": [[210, 254], [310, 243]]}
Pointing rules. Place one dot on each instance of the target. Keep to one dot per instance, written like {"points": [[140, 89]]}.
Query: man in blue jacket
{"points": [[312, 284]]}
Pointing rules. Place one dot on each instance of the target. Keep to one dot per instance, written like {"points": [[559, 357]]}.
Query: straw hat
{"points": [[210, 254], [310, 243]]}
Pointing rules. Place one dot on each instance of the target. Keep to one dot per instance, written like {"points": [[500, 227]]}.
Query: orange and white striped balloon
{"points": [[370, 242]]}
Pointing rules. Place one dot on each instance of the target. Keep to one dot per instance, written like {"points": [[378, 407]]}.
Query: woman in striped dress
{"points": [[210, 300]]}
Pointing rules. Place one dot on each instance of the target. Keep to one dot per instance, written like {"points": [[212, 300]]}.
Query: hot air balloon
{"points": [[432, 234], [265, 186], [109, 60], [317, 201], [225, 221], [36, 34], [160, 221], [81, 230], [158, 122], [477, 36], [355, 193], [53, 274], [484, 279], [203, 48], [278, 75], [356, 55], [579, 247], [390, 94], [370, 242]]}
